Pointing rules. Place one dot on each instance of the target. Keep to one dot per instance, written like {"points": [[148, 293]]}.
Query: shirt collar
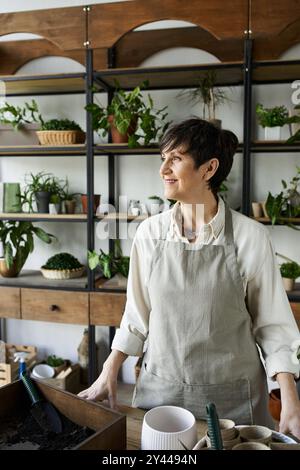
{"points": [[211, 230]]}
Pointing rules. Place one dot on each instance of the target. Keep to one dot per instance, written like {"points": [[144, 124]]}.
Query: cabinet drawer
{"points": [[106, 309], [54, 306], [10, 306], [296, 311]]}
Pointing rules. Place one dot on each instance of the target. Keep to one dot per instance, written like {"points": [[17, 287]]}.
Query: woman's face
{"points": [[182, 181]]}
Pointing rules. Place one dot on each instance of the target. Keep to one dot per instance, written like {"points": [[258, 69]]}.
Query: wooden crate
{"points": [[71, 383], [9, 370], [109, 425]]}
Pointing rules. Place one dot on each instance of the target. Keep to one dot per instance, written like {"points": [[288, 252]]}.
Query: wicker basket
{"points": [[62, 273], [61, 137]]}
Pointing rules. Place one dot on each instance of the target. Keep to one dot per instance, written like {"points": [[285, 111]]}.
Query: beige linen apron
{"points": [[200, 344]]}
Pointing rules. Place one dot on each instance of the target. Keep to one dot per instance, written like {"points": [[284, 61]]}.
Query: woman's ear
{"points": [[211, 168]]}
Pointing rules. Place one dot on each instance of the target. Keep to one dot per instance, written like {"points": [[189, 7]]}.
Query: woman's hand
{"points": [[290, 405], [105, 387], [290, 420]]}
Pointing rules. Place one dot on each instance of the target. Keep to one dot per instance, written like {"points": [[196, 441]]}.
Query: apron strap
{"points": [[228, 229]]}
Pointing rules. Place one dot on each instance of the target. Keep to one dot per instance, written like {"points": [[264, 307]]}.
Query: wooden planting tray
{"points": [[109, 425]]}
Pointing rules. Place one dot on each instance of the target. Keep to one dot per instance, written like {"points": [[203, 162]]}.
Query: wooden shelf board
{"points": [[40, 216], [42, 150], [181, 76], [276, 71], [34, 279], [267, 220], [274, 146], [44, 84]]}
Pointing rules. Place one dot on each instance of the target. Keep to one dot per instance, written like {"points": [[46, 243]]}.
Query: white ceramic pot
{"points": [[272, 133]]}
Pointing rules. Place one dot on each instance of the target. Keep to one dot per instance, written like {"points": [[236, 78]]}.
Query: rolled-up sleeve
{"points": [[133, 331], [274, 326]]}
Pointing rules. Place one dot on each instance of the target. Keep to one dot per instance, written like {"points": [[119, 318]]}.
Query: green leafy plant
{"points": [[17, 116], [60, 125], [294, 120], [41, 182], [290, 269], [272, 117], [54, 361], [65, 193], [18, 241], [285, 205], [62, 261], [110, 263], [206, 93], [158, 199], [128, 109]]}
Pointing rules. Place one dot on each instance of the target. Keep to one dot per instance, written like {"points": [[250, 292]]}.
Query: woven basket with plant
{"points": [[60, 132], [62, 266]]}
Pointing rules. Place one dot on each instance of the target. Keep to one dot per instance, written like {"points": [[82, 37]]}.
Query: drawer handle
{"points": [[53, 307]]}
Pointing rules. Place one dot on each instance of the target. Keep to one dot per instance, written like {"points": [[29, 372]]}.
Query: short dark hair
{"points": [[202, 140]]}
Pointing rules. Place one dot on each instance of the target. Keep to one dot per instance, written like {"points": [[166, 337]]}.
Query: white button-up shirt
{"points": [[273, 323]]}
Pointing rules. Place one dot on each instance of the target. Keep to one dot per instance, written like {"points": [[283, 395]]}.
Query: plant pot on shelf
{"points": [[8, 272], [84, 202], [288, 283], [70, 206], [216, 122], [61, 137], [25, 135], [116, 136], [42, 201], [272, 133]]}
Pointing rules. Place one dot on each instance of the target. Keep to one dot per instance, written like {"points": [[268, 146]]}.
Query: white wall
{"points": [[138, 175]]}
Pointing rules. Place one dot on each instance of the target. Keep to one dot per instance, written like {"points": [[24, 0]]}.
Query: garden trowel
{"points": [[43, 412]]}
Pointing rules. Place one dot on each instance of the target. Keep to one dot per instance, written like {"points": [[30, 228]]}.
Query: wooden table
{"points": [[134, 420]]}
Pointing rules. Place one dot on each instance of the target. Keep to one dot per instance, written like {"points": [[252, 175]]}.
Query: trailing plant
{"points": [[110, 263], [272, 117], [128, 109], [62, 261], [17, 116], [17, 238], [54, 361], [290, 269], [206, 93]]}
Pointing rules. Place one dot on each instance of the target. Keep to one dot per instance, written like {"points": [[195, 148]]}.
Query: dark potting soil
{"points": [[24, 433]]}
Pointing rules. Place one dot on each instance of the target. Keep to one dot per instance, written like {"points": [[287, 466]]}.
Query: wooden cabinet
{"points": [[10, 302], [296, 311], [106, 309], [55, 306]]}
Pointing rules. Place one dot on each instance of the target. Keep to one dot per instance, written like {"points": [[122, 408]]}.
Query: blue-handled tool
{"points": [[43, 412], [214, 427]]}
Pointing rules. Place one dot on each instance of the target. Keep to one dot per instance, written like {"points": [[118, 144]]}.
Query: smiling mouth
{"points": [[170, 181]]}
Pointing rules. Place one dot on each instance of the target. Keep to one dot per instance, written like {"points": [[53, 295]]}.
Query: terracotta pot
{"points": [[275, 404], [8, 272], [70, 206], [116, 136], [84, 202]]}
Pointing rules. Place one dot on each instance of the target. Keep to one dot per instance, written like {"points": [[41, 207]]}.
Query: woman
{"points": [[204, 290]]}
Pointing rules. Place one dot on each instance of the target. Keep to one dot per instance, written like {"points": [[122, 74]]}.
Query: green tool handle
{"points": [[30, 387], [214, 427]]}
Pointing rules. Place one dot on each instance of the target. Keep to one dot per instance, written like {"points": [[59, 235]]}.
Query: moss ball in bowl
{"points": [[62, 266]]}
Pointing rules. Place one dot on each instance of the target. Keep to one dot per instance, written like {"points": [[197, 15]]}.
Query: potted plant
{"points": [[62, 266], [110, 263], [272, 119], [285, 205], [290, 271], [51, 132], [127, 115], [294, 121], [40, 188], [60, 132], [208, 95], [21, 119], [153, 204], [84, 202], [18, 242]]}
